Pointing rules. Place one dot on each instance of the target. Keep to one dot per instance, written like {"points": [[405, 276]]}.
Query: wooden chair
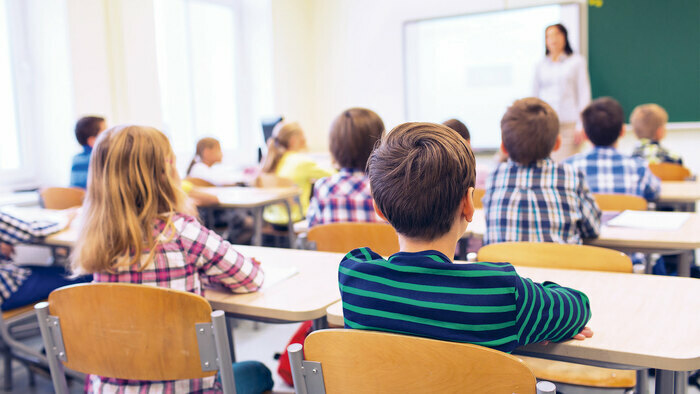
{"points": [[359, 361], [11, 347], [267, 180], [581, 257], [272, 180], [478, 196], [620, 202], [61, 197], [669, 171], [117, 330], [199, 182], [344, 237]]}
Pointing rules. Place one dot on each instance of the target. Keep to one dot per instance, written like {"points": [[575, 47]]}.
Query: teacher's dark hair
{"points": [[562, 30]]}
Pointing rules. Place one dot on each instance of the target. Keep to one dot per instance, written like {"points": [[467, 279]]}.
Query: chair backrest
{"points": [[669, 171], [554, 255], [199, 182], [130, 331], [61, 197], [478, 196], [344, 237], [359, 361], [272, 180], [620, 202]]}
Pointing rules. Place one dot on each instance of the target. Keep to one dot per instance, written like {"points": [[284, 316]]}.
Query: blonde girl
{"points": [[285, 159], [207, 154], [135, 232]]}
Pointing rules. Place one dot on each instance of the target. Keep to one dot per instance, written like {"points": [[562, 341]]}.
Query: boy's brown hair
{"points": [[529, 130], [602, 121], [419, 174], [86, 127], [459, 127], [646, 120], [354, 133]]}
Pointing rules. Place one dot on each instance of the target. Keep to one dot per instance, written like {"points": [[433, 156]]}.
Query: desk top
{"points": [[685, 238], [680, 191], [638, 320], [250, 197], [303, 296]]}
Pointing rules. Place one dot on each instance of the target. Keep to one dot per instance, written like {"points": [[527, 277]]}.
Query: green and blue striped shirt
{"points": [[425, 294]]}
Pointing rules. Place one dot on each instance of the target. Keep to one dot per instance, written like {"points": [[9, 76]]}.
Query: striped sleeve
{"points": [[548, 311], [217, 260]]}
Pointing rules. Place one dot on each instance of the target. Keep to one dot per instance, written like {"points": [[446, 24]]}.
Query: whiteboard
{"points": [[472, 67]]}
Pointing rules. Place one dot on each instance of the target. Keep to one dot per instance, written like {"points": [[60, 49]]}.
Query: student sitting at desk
{"points": [[86, 131], [345, 196], [649, 124], [135, 231], [207, 154], [530, 197], [422, 179], [20, 286], [607, 170]]}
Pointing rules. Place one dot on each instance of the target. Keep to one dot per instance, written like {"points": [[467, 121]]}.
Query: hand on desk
{"points": [[6, 250], [585, 333]]}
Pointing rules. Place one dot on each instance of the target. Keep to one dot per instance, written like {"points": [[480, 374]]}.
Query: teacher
{"points": [[561, 79]]}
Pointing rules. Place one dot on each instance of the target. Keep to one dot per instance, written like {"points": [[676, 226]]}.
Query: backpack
{"points": [[284, 369]]}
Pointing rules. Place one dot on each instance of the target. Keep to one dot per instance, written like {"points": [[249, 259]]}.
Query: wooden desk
{"points": [[683, 194], [639, 321], [255, 199], [684, 240]]}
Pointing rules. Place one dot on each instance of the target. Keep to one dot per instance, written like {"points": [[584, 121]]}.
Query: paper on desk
{"points": [[650, 220], [276, 272]]}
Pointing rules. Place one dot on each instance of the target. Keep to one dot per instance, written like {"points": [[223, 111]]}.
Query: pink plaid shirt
{"points": [[343, 197], [193, 257]]}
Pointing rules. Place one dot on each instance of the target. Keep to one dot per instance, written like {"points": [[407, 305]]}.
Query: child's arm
{"points": [[548, 311], [649, 184], [14, 230], [217, 260], [589, 226], [314, 214]]}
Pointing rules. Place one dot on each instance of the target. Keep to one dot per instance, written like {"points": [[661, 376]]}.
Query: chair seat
{"points": [[581, 375]]}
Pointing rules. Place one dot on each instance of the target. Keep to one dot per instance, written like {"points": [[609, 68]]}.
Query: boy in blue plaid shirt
{"points": [[530, 197], [607, 170]]}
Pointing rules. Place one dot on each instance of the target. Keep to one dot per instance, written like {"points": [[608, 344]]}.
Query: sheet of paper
{"points": [[277, 272], [650, 220]]}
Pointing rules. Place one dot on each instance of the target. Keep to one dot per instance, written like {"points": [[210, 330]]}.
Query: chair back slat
{"points": [[131, 331], [554, 255], [359, 361], [478, 197], [61, 197], [344, 237], [199, 182], [620, 202], [669, 171]]}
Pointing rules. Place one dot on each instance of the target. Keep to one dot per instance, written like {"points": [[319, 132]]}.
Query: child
{"points": [[20, 286], [422, 179], [649, 124], [530, 197], [86, 131], [606, 170], [285, 159], [459, 127], [345, 196], [208, 153], [135, 232]]}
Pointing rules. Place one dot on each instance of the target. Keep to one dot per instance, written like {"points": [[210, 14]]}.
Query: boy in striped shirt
{"points": [[422, 180]]}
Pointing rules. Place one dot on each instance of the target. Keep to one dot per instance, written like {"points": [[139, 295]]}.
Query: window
{"points": [[10, 159], [212, 81]]}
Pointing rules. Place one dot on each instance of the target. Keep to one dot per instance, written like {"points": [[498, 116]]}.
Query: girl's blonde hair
{"points": [[204, 143], [278, 144], [132, 183]]}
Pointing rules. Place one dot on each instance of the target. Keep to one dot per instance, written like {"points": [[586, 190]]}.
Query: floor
{"points": [[253, 341]]}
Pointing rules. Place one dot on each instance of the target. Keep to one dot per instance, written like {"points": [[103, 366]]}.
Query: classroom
{"points": [[349, 196]]}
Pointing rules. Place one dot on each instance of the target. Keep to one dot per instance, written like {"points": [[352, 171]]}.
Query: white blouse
{"points": [[564, 85]]}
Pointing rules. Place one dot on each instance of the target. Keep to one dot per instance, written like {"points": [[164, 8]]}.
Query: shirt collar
{"points": [[87, 149]]}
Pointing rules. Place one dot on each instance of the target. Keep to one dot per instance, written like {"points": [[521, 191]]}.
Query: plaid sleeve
{"points": [[548, 311], [314, 213], [649, 184], [217, 261], [14, 230], [590, 212]]}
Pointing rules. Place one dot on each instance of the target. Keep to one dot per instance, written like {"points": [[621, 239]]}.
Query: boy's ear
{"points": [[378, 212], [503, 149], [660, 133], [91, 141], [622, 132], [557, 144], [468, 205]]}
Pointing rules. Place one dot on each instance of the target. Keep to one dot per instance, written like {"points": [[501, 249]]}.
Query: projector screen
{"points": [[472, 67]]}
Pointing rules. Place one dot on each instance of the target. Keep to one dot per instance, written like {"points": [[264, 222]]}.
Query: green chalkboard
{"points": [[647, 51]]}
